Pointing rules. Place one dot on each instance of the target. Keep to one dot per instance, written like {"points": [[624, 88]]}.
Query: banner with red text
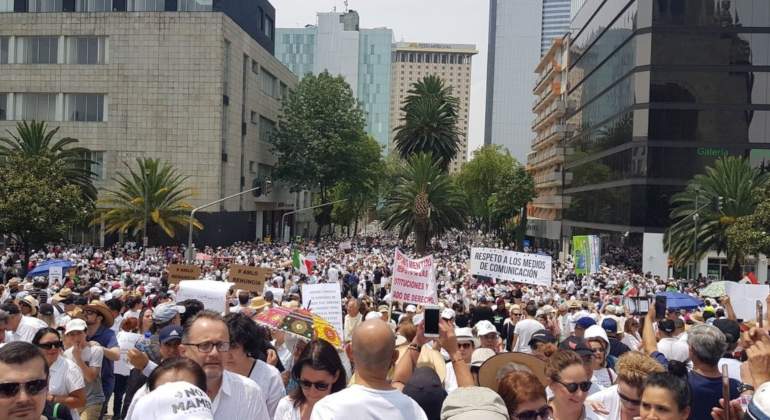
{"points": [[413, 280]]}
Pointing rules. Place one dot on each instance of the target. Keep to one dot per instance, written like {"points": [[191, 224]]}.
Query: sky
{"points": [[437, 21]]}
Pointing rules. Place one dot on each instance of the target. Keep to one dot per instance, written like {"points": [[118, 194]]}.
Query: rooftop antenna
{"points": [[346, 6]]}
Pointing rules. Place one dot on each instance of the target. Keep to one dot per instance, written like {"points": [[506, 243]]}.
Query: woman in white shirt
{"points": [[631, 336], [319, 372], [65, 379]]}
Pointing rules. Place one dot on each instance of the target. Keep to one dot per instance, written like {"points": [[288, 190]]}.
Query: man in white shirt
{"points": [[670, 346], [19, 327], [524, 330], [352, 319], [372, 397]]}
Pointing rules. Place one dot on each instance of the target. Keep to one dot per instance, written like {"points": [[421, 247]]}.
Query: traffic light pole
{"points": [[189, 252]]}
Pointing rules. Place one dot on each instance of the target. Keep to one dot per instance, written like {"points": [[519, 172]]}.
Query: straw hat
{"points": [[501, 364], [258, 303], [30, 301], [63, 294], [99, 307]]}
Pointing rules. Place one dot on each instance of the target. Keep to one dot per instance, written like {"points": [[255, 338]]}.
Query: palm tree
{"points": [[429, 124], [425, 202], [34, 141], [729, 189], [151, 195]]}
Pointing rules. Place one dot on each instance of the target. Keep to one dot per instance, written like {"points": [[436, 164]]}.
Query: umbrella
{"points": [[715, 289], [675, 300], [299, 322], [42, 268]]}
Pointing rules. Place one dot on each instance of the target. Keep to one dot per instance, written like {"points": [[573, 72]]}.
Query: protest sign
{"points": [[277, 293], [55, 274], [324, 300], [346, 245], [213, 294], [249, 278], [586, 253], [743, 298], [179, 272], [510, 265], [413, 280]]}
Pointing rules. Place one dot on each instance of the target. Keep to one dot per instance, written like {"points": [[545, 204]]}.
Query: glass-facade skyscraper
{"points": [[362, 56], [555, 24]]}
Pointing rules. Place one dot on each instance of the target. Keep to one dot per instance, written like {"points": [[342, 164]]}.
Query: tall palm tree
{"points": [[425, 202], [740, 187], [33, 140], [429, 124], [150, 195]]}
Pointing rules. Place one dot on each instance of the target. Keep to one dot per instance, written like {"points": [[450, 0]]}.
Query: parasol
{"points": [[715, 289], [300, 323], [676, 300]]}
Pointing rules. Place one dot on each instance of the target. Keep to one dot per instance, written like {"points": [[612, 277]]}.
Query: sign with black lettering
{"points": [[510, 265], [249, 278], [179, 272]]}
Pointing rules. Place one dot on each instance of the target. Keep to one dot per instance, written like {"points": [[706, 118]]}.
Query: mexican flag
{"points": [[629, 290], [304, 264]]}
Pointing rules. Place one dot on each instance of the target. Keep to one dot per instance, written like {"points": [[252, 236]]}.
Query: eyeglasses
{"points": [[321, 386], [51, 345], [543, 412], [516, 314], [629, 401], [207, 346], [572, 387], [465, 345], [34, 387]]}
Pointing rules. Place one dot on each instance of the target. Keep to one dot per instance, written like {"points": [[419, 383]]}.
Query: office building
{"points": [[192, 84], [661, 89], [519, 33], [338, 45], [546, 158], [413, 61]]}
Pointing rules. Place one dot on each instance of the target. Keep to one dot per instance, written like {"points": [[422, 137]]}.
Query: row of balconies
{"points": [[556, 110], [545, 77]]}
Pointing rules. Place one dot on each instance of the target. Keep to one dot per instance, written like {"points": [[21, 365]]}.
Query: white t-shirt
{"points": [[605, 377], [674, 349], [269, 380], [610, 399], [524, 330], [28, 327], [64, 377], [450, 380], [126, 341], [286, 410], [361, 403], [631, 341], [733, 368]]}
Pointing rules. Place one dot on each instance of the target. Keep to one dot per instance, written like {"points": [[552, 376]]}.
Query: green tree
{"points": [[750, 233], [152, 193], [425, 202], [39, 203], [740, 187], [497, 187], [429, 124], [33, 140], [318, 142]]}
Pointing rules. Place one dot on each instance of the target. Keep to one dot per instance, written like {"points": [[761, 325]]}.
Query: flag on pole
{"points": [[304, 264]]}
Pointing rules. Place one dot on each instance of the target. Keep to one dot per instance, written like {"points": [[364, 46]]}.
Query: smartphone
{"points": [[760, 314], [660, 307], [726, 393], [432, 315]]}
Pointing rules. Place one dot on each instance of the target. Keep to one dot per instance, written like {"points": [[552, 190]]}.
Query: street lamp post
{"points": [[190, 255], [305, 209]]}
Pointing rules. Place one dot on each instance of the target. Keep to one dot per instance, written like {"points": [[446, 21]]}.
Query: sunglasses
{"points": [[543, 412], [34, 387], [465, 345], [321, 386], [572, 387], [629, 401], [51, 345]]}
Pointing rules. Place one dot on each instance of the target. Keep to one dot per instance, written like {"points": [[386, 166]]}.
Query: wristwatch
{"points": [[745, 387], [414, 347]]}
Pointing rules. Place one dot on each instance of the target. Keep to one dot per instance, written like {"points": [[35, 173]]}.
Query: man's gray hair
{"points": [[707, 342]]}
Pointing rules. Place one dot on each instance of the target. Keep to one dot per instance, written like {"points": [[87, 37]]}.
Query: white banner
{"points": [[55, 274], [325, 301], [510, 265], [743, 298], [277, 293], [213, 294], [413, 280]]}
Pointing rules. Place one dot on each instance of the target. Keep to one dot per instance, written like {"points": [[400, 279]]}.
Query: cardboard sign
{"points": [[510, 265], [212, 293], [325, 301], [413, 280], [179, 272], [55, 274], [250, 278]]}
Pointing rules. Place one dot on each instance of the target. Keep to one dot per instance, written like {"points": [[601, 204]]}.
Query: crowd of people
{"points": [[110, 340]]}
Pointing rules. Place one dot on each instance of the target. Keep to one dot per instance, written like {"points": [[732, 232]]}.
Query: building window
{"points": [[3, 106], [45, 6], [83, 107], [226, 69], [264, 171], [252, 167], [6, 6], [254, 118], [96, 165], [146, 5], [93, 5], [4, 40], [35, 106], [266, 128], [195, 5], [260, 19], [284, 91], [37, 49], [254, 67], [85, 50], [269, 84], [268, 27]]}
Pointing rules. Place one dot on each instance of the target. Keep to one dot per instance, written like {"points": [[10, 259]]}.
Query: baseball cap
{"points": [[425, 388], [269, 296], [480, 356], [731, 329], [666, 325], [75, 324], [169, 333], [585, 322], [473, 403], [448, 313], [610, 325], [578, 345], [759, 407], [174, 400], [46, 309], [484, 327], [464, 334], [541, 336], [411, 308], [167, 311]]}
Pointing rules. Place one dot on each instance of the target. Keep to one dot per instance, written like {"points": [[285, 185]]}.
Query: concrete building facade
{"points": [[192, 88], [413, 61]]}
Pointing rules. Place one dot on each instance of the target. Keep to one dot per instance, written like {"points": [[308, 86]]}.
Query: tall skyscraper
{"points": [[451, 62], [337, 45], [519, 33]]}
